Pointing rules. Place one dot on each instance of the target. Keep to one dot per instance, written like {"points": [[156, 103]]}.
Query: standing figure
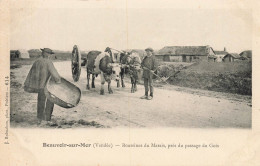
{"points": [[149, 65], [36, 80]]}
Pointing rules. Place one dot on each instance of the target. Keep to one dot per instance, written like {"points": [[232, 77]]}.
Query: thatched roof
{"points": [[234, 55], [184, 50], [13, 51], [23, 53], [246, 54], [221, 52], [212, 57], [34, 50]]}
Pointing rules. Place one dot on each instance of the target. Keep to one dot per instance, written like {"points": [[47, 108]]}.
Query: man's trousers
{"points": [[44, 107], [148, 85]]}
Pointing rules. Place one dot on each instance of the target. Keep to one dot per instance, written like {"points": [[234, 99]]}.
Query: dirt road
{"points": [[171, 107]]}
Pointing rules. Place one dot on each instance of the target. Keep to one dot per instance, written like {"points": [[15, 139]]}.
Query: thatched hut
{"points": [[231, 57], [186, 53], [35, 53], [14, 54], [246, 54], [220, 55], [19, 54]]}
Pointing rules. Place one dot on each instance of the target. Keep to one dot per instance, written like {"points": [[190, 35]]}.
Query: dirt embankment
{"points": [[233, 77]]}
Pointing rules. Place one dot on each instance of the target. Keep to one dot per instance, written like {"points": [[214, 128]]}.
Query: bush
{"points": [[170, 69]]}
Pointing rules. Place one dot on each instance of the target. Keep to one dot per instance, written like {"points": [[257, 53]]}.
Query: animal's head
{"points": [[109, 51], [124, 57], [115, 70], [134, 58]]}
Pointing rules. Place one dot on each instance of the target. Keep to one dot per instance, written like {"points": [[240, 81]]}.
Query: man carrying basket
{"points": [[36, 80]]}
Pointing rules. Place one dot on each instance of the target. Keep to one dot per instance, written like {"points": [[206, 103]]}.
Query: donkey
{"points": [[134, 62], [124, 66], [130, 64]]}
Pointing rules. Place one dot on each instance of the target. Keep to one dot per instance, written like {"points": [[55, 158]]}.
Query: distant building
{"points": [[19, 54], [220, 55], [246, 54], [35, 53], [14, 54], [186, 53], [231, 57]]}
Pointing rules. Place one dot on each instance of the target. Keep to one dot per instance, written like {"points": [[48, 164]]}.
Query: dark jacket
{"points": [[151, 64], [39, 74]]}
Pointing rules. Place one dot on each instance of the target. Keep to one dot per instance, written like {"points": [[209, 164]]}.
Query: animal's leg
{"points": [[135, 80], [102, 83], [93, 81], [118, 83], [88, 77], [135, 85], [132, 84], [109, 87], [122, 80], [102, 92]]}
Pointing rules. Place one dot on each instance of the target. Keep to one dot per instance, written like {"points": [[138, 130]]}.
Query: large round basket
{"points": [[64, 94]]}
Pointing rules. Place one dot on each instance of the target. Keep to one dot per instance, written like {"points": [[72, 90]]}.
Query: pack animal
{"points": [[106, 67], [131, 64], [109, 71], [124, 66], [89, 62]]}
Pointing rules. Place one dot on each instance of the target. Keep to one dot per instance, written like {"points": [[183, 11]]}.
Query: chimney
{"points": [[225, 49], [207, 48]]}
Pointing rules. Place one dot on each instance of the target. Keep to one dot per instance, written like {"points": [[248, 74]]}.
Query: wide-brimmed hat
{"points": [[47, 50], [149, 49]]}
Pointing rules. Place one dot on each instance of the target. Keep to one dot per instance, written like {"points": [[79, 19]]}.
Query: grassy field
{"points": [[59, 55], [233, 77], [20, 61]]}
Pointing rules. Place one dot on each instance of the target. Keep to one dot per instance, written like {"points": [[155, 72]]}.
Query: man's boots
{"points": [[145, 96], [150, 97]]}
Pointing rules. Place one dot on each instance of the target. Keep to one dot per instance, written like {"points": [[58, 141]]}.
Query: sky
{"points": [[131, 28]]}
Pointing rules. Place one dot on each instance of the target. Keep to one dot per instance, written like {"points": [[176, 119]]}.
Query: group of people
{"points": [[43, 68]]}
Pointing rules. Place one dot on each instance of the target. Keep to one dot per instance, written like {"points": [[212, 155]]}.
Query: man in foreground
{"points": [[35, 82], [149, 65]]}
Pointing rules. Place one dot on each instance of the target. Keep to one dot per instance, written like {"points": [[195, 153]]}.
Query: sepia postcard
{"points": [[99, 82]]}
